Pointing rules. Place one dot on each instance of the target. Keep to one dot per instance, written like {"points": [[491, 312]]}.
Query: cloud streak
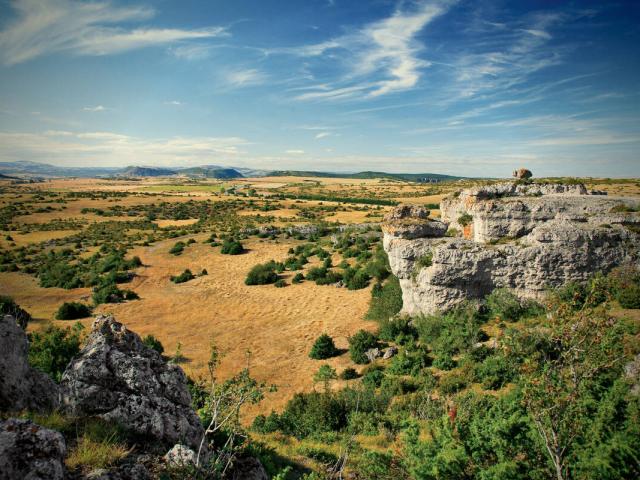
{"points": [[43, 27], [386, 50]]}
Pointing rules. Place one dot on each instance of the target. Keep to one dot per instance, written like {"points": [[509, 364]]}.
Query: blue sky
{"points": [[458, 87]]}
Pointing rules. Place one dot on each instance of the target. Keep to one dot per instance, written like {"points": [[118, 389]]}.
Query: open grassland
{"points": [[271, 329]]}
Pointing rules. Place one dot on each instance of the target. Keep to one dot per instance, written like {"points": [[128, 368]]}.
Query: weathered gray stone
{"points": [[522, 173], [21, 387], [525, 243], [390, 352], [180, 455], [372, 354], [116, 377], [29, 451]]}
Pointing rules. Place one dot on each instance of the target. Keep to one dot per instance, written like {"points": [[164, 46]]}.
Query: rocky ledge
{"points": [[526, 237]]}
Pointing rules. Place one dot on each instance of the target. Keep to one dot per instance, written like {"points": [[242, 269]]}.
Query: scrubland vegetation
{"points": [[496, 389]]}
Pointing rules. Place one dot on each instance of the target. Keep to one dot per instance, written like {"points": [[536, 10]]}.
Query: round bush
{"points": [[73, 311], [629, 297], [262, 274], [153, 343], [323, 348], [359, 344], [231, 247]]}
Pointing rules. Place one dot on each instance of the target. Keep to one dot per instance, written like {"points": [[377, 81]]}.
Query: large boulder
{"points": [[21, 387], [30, 451], [116, 377], [523, 237]]}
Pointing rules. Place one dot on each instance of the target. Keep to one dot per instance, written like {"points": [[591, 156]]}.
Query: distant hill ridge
{"points": [[25, 168]]}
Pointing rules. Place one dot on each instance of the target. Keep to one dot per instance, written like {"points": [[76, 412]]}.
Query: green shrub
{"points": [[444, 361], [629, 297], [231, 247], [451, 384], [372, 377], [73, 311], [51, 348], [452, 332], [390, 329], [349, 373], [183, 277], [177, 249], [153, 343], [297, 278], [110, 293], [465, 219], [386, 300], [358, 281], [359, 344], [262, 274], [494, 372], [503, 303], [409, 362], [323, 348], [280, 283]]}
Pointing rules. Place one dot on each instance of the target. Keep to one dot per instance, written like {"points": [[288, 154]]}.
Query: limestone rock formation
{"points": [[21, 387], [523, 237], [119, 379], [30, 451], [248, 468], [522, 174]]}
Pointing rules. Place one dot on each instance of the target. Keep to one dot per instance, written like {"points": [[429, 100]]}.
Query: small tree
{"points": [[323, 348], [153, 343], [73, 311], [325, 374], [359, 344], [9, 307], [262, 274], [231, 247]]}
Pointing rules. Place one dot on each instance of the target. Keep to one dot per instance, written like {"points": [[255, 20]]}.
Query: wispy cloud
{"points": [[386, 51], [112, 148], [174, 103], [97, 108], [42, 27], [192, 52], [322, 135], [245, 77], [294, 152]]}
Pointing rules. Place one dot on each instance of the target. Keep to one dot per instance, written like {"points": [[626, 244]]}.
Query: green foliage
{"points": [[9, 307], [372, 377], [629, 297], [298, 278], [110, 293], [359, 343], [386, 300], [349, 373], [494, 372], [231, 247], [323, 348], [504, 304], [73, 311], [452, 332], [409, 361], [153, 343], [444, 361], [465, 219], [51, 348], [183, 277], [262, 274], [451, 383], [177, 248], [280, 283]]}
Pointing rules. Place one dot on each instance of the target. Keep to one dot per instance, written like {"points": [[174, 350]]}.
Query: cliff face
{"points": [[523, 237]]}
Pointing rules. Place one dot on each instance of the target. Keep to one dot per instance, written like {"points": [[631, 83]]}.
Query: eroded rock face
{"points": [[30, 451], [523, 237], [119, 379], [21, 387]]}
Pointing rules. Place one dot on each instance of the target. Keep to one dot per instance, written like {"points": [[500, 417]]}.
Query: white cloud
{"points": [[294, 152], [110, 148], [97, 108], [175, 103], [245, 78], [196, 51], [322, 135], [43, 27], [386, 50]]}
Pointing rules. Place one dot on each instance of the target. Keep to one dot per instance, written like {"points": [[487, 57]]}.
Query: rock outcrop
{"points": [[526, 237], [21, 387], [116, 377], [30, 451]]}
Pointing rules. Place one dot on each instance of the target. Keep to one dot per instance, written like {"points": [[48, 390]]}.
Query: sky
{"points": [[470, 88]]}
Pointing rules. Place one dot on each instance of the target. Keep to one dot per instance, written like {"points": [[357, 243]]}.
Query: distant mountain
{"points": [[211, 171], [411, 177], [147, 172], [43, 170], [6, 177], [25, 168]]}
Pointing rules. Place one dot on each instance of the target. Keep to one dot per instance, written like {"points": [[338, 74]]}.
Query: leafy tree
{"points": [[323, 348], [183, 277], [231, 247], [73, 311], [325, 374]]}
